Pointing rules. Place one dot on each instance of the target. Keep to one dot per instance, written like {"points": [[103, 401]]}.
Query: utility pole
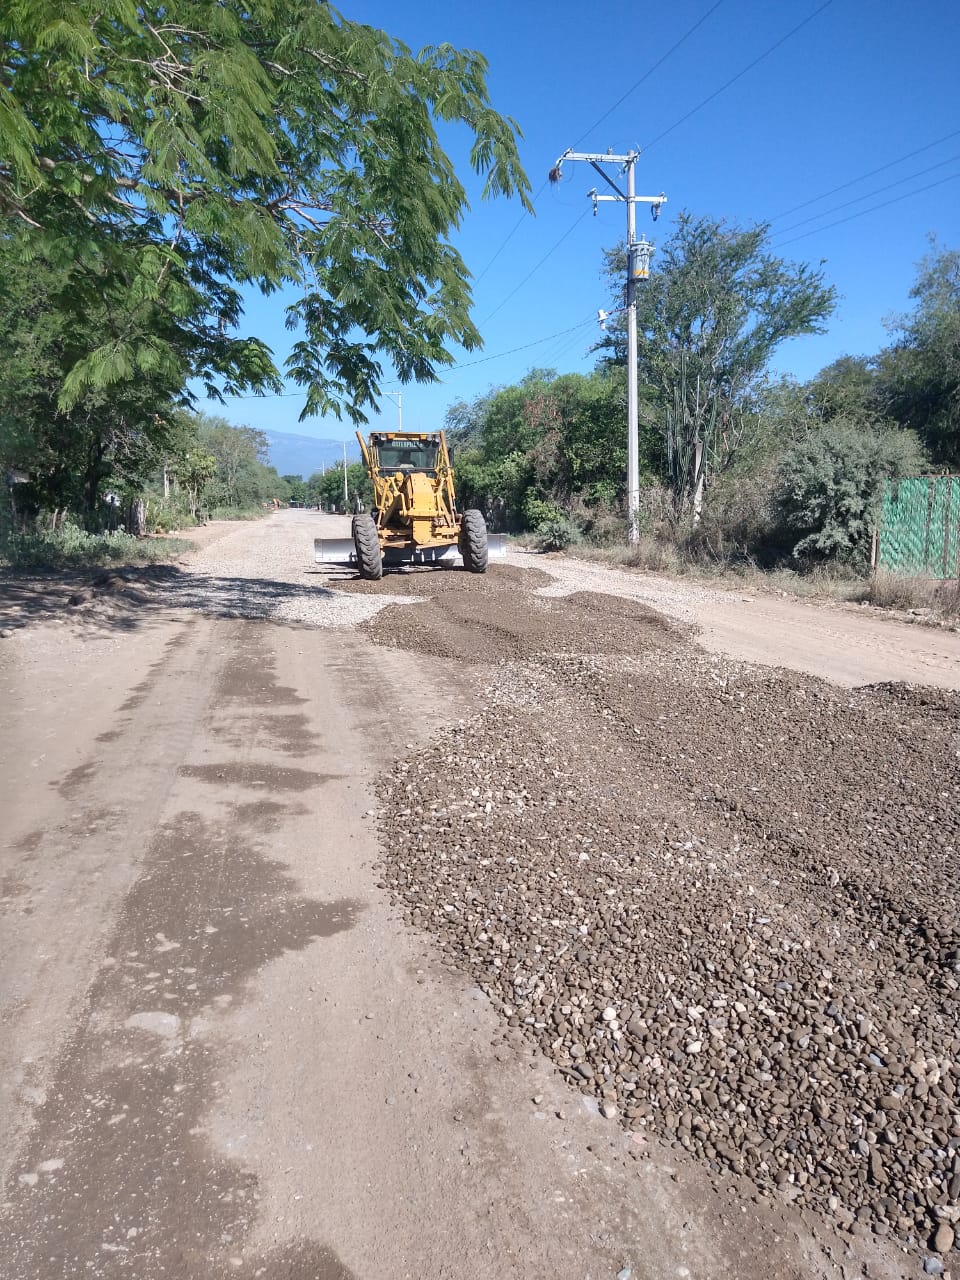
{"points": [[346, 495], [639, 253]]}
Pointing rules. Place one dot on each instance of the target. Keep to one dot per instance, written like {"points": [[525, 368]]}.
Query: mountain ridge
{"points": [[297, 455]]}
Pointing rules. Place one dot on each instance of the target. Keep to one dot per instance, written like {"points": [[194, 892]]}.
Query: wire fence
{"points": [[919, 532]]}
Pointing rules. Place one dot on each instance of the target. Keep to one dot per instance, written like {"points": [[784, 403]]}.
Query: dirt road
{"points": [[278, 994]]}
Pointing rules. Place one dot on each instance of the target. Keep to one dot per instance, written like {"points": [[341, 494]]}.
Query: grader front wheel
{"points": [[473, 542], [366, 540]]}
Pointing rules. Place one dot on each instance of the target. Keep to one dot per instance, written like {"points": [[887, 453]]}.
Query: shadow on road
{"points": [[125, 599]]}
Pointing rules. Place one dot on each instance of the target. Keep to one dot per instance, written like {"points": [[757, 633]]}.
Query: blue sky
{"points": [[858, 87]]}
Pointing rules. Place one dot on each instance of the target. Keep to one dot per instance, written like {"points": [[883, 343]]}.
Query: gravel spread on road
{"points": [[504, 615], [677, 600], [723, 899]]}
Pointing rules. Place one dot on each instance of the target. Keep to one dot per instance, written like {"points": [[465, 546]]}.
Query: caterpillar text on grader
{"points": [[415, 518]]}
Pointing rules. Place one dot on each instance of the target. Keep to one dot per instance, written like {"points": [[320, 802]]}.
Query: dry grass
{"points": [[884, 590], [653, 555], [892, 591]]}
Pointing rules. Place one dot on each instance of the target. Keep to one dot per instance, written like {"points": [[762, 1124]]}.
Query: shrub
{"points": [[737, 524], [831, 485], [557, 533], [538, 511], [73, 547], [605, 528], [173, 512]]}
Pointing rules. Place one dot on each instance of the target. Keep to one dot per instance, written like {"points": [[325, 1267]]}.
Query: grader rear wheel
{"points": [[473, 542], [366, 540]]}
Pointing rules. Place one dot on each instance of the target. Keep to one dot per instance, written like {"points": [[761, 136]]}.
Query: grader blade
{"points": [[343, 551], [334, 551]]}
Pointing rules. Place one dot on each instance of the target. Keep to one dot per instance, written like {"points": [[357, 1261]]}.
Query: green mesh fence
{"points": [[920, 527]]}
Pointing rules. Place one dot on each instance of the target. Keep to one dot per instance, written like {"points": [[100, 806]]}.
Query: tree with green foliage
{"points": [[297, 488], [326, 487], [846, 388], [195, 470], [830, 488], [175, 153], [546, 446], [108, 438], [242, 479], [919, 376], [715, 309]]}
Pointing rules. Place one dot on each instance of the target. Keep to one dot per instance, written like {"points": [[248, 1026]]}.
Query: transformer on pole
{"points": [[639, 253]]}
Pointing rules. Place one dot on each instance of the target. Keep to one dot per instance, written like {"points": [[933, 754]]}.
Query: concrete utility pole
{"points": [[346, 495], [639, 253]]}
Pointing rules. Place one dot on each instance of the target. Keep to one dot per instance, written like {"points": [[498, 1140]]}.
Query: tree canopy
{"points": [[174, 153], [919, 376], [108, 437], [708, 321]]}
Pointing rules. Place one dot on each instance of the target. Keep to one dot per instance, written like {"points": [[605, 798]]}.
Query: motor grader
{"points": [[415, 518]]}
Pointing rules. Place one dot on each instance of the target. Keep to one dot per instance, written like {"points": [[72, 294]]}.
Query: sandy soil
{"points": [[225, 1051]]}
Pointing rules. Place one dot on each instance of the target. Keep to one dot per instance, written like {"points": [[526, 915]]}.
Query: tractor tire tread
{"points": [[366, 540], [473, 541]]}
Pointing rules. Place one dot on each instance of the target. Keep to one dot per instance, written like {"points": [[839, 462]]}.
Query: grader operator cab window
{"points": [[407, 455]]}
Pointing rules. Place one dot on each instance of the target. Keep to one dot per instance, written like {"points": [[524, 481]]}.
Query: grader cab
{"points": [[415, 519]]}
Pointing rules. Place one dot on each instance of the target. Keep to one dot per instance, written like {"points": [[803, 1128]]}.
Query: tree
{"points": [[327, 487], [242, 478], [183, 150], [107, 438], [919, 376], [846, 388], [713, 312], [548, 444], [196, 469], [297, 487]]}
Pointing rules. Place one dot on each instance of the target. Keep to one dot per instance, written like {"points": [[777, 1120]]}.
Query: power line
{"points": [[739, 76], [463, 364], [467, 364], [510, 234], [825, 213], [649, 72], [863, 176], [564, 349], [533, 270], [907, 195]]}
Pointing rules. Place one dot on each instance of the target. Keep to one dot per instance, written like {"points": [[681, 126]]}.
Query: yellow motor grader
{"points": [[415, 518]]}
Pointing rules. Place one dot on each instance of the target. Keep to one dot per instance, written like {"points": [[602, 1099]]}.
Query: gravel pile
{"points": [[722, 900]]}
